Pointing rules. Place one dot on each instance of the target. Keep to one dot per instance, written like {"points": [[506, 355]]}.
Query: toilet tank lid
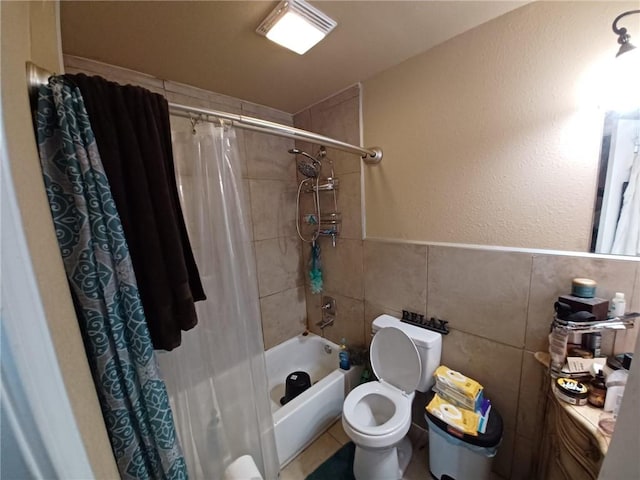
{"points": [[421, 336]]}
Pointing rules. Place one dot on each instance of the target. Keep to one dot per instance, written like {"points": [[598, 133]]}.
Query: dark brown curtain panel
{"points": [[132, 131]]}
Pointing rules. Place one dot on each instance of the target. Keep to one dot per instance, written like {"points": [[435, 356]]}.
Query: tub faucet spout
{"points": [[325, 322]]}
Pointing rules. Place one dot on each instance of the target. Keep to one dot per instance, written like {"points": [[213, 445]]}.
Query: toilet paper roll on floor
{"points": [[242, 468]]}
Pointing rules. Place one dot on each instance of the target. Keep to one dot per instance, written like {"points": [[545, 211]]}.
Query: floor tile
{"points": [[310, 458], [337, 432], [418, 468], [328, 443]]}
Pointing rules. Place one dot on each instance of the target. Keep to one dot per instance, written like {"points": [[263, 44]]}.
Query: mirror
{"points": [[616, 218]]}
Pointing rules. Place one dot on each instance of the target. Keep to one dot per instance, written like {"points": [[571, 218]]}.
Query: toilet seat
{"points": [[378, 414], [395, 359], [400, 403]]}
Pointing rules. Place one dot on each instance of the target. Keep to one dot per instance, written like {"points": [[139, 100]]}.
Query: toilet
{"points": [[377, 415]]}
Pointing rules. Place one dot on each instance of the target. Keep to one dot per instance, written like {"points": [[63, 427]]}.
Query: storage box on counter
{"points": [[598, 307]]}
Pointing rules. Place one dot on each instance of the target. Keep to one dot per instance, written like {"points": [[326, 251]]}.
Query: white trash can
{"points": [[457, 456]]}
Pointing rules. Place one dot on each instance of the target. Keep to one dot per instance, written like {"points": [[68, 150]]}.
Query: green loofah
{"points": [[315, 272]]}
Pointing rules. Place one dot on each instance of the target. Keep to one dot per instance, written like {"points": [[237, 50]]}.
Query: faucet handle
{"points": [[328, 305]]}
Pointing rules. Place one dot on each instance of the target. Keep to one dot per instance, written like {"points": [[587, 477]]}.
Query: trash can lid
{"points": [[491, 437]]}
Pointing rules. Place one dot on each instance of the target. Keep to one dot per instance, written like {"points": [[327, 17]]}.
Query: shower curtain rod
{"points": [[37, 76], [369, 155]]}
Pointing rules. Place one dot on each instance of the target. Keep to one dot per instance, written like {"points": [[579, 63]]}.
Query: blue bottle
{"points": [[345, 362]]}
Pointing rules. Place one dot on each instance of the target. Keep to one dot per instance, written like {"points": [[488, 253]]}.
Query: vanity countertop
{"points": [[586, 415]]}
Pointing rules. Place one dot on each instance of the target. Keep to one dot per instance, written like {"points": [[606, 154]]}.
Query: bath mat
{"points": [[338, 467]]}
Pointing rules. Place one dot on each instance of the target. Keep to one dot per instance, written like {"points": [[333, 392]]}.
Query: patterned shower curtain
{"points": [[132, 393]]}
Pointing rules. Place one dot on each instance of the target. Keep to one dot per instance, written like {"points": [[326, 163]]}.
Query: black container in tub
{"points": [[296, 383]]}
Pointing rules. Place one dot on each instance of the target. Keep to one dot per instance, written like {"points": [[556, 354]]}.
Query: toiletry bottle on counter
{"points": [[597, 391], [616, 383], [593, 343], [345, 362], [617, 305]]}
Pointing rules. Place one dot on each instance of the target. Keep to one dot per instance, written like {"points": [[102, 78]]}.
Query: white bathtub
{"points": [[303, 419]]}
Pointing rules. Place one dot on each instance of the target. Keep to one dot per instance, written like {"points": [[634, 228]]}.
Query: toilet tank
{"points": [[428, 343]]}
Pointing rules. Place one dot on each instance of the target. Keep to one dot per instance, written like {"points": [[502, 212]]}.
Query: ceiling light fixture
{"points": [[296, 25]]}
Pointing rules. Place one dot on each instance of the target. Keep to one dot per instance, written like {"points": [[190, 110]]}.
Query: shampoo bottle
{"points": [[345, 363]]}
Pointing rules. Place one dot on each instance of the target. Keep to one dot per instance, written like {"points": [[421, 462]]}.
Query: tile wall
{"points": [[338, 117], [499, 305], [269, 181]]}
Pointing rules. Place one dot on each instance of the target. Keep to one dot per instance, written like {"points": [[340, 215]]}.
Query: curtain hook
{"points": [[194, 122]]}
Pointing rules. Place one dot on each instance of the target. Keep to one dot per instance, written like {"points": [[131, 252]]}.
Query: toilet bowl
{"points": [[377, 415]]}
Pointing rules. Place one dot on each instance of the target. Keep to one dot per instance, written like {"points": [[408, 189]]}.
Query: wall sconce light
{"points": [[624, 93], [623, 36], [296, 25]]}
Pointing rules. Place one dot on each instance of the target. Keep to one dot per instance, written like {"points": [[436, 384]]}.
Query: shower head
{"points": [[310, 166]]}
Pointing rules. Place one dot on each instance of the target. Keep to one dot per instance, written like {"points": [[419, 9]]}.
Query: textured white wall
{"points": [[29, 32], [493, 137]]}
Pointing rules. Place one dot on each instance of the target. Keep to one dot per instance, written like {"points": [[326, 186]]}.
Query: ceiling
{"points": [[213, 44]]}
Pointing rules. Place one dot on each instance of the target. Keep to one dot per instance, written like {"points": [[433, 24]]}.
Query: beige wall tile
{"points": [[371, 312], [192, 97], [502, 462], [633, 305], [302, 120], [530, 413], [124, 76], [496, 366], [625, 341], [268, 157], [481, 292], [342, 267], [505, 400], [284, 315], [339, 120], [551, 277], [272, 208], [420, 401], [333, 264], [339, 163], [189, 100], [307, 207], [608, 342], [242, 148], [523, 459], [396, 275], [246, 213], [215, 101], [533, 373], [314, 314], [349, 320], [531, 398], [349, 205], [278, 265], [266, 113]]}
